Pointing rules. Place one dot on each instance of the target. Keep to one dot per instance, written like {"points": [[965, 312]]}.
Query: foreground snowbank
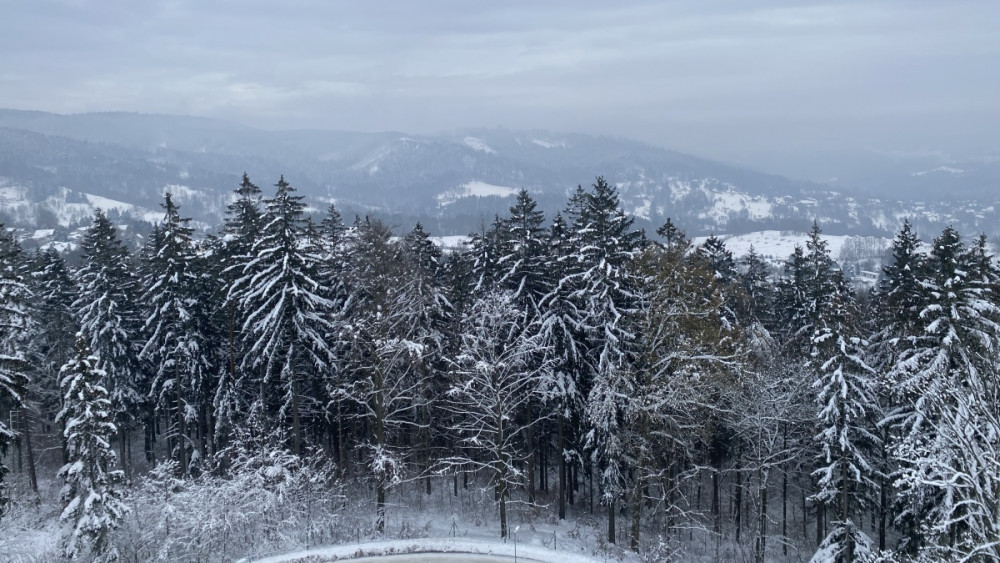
{"points": [[429, 545]]}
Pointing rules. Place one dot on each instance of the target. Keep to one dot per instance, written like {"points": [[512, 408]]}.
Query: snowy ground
{"points": [[426, 550]]}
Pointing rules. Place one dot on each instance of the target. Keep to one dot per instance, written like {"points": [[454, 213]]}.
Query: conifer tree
{"points": [[242, 229], [285, 321], [486, 247], [109, 321], [421, 311], [54, 340], [563, 391], [15, 323], [525, 272], [93, 488], [946, 386], [605, 245], [757, 289], [899, 301], [720, 258], [175, 346]]}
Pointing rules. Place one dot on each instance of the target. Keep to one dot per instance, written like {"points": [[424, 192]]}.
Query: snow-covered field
{"points": [[778, 245], [474, 188]]}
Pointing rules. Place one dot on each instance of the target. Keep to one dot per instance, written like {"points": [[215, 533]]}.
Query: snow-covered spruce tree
{"points": [[720, 258], [562, 390], [244, 220], [522, 266], [175, 346], [898, 299], [54, 340], [605, 245], [723, 267], [15, 324], [486, 247], [792, 322], [947, 387], [285, 311], [93, 489], [495, 377], [525, 271], [422, 312], [107, 310], [847, 412], [242, 229], [844, 386], [334, 241]]}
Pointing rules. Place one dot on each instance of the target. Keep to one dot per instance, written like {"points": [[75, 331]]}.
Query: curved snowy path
{"points": [[449, 550], [444, 557]]}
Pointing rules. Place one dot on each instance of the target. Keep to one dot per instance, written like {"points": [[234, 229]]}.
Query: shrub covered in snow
{"points": [[270, 501]]}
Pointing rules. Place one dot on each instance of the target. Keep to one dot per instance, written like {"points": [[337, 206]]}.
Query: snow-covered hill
{"points": [[55, 169]]}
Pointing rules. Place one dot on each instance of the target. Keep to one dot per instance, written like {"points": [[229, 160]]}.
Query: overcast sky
{"points": [[714, 78]]}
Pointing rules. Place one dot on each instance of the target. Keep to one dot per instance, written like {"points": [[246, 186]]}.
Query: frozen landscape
{"points": [[490, 282]]}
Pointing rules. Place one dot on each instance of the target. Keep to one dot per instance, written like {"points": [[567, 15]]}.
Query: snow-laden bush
{"points": [[271, 500], [836, 545]]}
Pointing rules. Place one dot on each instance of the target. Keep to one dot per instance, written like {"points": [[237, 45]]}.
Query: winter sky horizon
{"points": [[720, 79]]}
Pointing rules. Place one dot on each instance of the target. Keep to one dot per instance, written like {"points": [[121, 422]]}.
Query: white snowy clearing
{"points": [[725, 204], [431, 550], [548, 144], [478, 144], [948, 169], [451, 242], [474, 188], [776, 246]]}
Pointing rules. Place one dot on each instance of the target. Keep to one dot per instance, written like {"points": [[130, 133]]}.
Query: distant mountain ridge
{"points": [[56, 168]]}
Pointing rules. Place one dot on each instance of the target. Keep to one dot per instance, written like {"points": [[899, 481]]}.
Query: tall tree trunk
{"points": [[379, 442], [427, 447], [181, 444], [149, 438], [716, 509], [341, 454], [611, 521], [805, 512], [845, 508], [26, 428], [738, 512], [590, 481], [530, 436], [637, 492], [761, 515], [883, 512], [502, 495], [296, 422], [543, 458], [123, 448], [636, 509], [819, 523], [562, 472], [784, 493]]}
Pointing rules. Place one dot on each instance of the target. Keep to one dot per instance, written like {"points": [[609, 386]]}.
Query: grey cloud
{"points": [[716, 78]]}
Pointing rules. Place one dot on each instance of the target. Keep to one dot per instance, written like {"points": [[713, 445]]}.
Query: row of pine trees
{"points": [[576, 349]]}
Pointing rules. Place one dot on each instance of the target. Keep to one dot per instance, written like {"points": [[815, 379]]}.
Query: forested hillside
{"points": [[221, 396]]}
